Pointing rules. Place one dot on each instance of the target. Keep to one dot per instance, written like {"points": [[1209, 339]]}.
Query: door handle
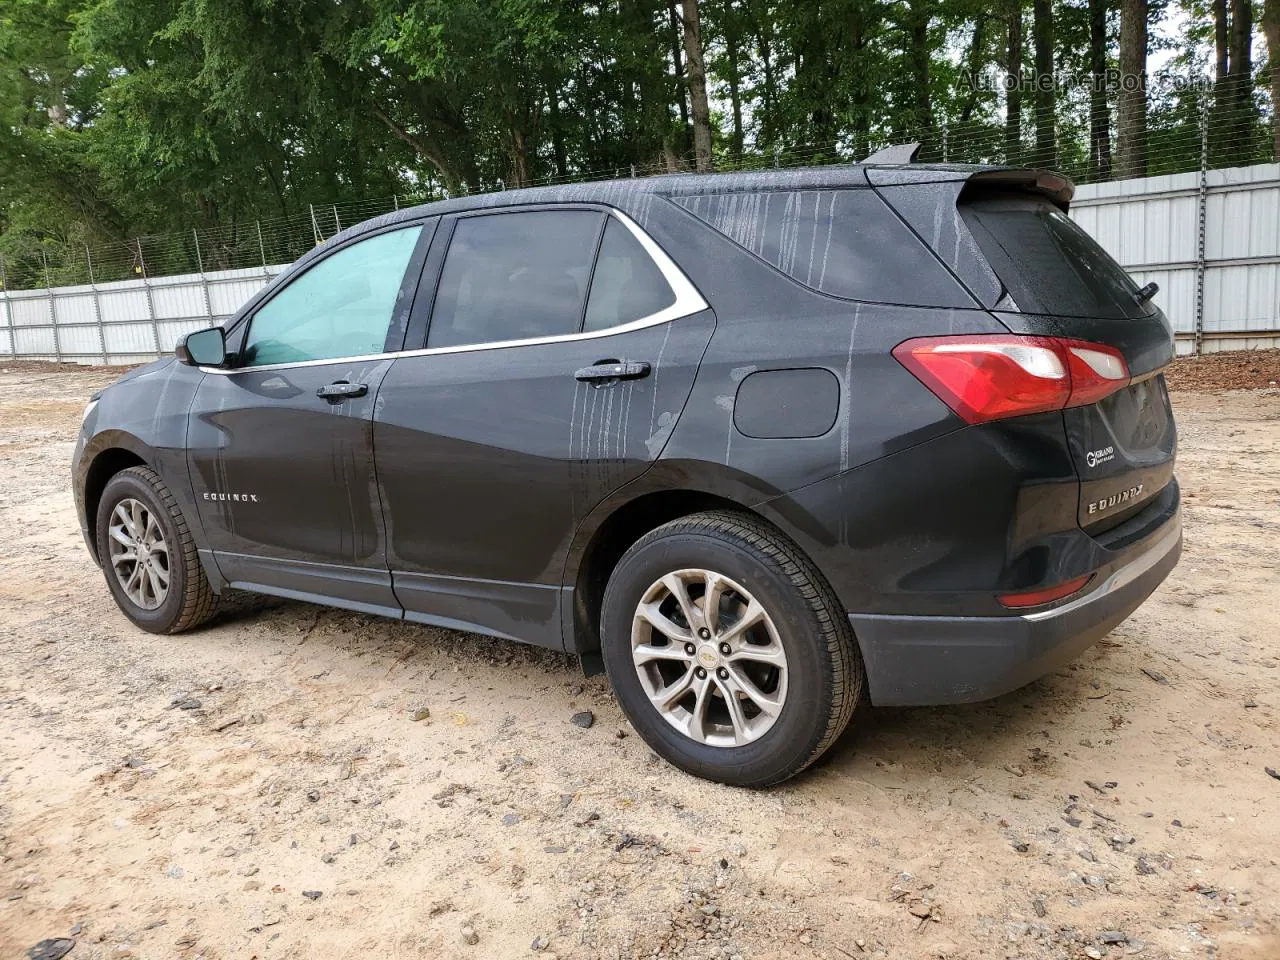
{"points": [[337, 392], [608, 370]]}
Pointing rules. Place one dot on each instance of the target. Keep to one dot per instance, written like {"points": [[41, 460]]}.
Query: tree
{"points": [[1271, 29], [128, 117], [1099, 112], [1046, 86], [1014, 81], [1240, 81], [1131, 113], [696, 74]]}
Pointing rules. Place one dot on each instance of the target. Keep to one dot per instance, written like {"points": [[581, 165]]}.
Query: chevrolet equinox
{"points": [[758, 444]]}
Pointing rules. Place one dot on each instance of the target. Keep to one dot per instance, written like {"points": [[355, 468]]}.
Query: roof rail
{"points": [[897, 153]]}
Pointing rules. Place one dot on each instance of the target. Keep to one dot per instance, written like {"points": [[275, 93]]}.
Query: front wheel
{"points": [[149, 556], [727, 650]]}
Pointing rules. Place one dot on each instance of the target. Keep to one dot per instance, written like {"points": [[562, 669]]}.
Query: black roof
{"points": [[634, 193]]}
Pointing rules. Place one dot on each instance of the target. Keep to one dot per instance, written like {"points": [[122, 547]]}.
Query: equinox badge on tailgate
{"points": [[1106, 503]]}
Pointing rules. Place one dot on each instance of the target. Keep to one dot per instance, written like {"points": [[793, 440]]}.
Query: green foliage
{"points": [[128, 118]]}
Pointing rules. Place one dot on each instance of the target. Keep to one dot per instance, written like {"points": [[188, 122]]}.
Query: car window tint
{"points": [[627, 285], [341, 307], [513, 276], [1048, 263], [846, 243]]}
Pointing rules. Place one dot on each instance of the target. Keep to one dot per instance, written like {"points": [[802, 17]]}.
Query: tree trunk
{"points": [[696, 72], [974, 63], [1131, 112], [1220, 120], [1220, 30], [769, 95], [733, 54], [455, 182], [1046, 85], [519, 157], [859, 93], [1271, 30], [1241, 82], [918, 60], [677, 62], [1013, 89], [1099, 113]]}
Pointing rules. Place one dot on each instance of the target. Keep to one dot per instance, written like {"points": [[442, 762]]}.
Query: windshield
{"points": [[1048, 263]]}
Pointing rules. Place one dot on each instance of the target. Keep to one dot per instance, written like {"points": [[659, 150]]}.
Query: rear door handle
{"points": [[337, 392], [607, 370]]}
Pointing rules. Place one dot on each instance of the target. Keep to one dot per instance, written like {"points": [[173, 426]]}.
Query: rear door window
{"points": [[515, 276], [1048, 263], [846, 243], [626, 285]]}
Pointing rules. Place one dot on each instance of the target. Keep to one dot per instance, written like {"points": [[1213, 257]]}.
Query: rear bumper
{"points": [[913, 660]]}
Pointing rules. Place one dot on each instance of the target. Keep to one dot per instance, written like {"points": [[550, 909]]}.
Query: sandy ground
{"points": [[301, 811]]}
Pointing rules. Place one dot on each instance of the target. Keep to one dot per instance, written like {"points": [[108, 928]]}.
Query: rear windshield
{"points": [[1048, 263]]}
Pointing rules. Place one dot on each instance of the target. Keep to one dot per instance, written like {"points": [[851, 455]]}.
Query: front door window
{"points": [[341, 307]]}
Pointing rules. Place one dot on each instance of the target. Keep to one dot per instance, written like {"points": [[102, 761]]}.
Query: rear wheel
{"points": [[149, 556], [727, 650]]}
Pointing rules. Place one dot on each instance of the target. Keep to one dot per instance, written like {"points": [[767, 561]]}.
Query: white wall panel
{"points": [[80, 343], [1154, 224], [179, 302], [129, 338], [33, 341], [74, 308], [227, 296], [123, 304], [30, 310]]}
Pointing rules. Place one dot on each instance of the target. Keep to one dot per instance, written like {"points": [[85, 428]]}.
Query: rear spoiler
{"points": [[1054, 186]]}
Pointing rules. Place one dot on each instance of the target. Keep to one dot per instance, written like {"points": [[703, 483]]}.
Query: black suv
{"points": [[755, 443]]}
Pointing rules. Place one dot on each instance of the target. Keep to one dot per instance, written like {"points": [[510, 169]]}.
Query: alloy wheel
{"points": [[139, 553], [709, 658]]}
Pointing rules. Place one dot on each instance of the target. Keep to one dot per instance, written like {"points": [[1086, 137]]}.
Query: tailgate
{"points": [[1065, 285], [1123, 448]]}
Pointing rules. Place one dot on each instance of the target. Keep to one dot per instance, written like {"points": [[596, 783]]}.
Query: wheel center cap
{"points": [[708, 656]]}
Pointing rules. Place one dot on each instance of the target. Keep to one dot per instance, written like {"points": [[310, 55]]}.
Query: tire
{"points": [[793, 718], [186, 600]]}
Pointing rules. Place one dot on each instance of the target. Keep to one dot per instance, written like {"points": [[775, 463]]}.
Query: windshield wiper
{"points": [[1147, 292]]}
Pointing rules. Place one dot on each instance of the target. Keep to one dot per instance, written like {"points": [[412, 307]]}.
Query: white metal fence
{"points": [[1210, 239], [1212, 242], [128, 322]]}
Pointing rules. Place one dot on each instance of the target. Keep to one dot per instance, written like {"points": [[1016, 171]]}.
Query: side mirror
{"points": [[203, 348]]}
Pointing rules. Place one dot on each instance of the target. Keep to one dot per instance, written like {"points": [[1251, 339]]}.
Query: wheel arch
{"points": [[104, 456], [672, 489]]}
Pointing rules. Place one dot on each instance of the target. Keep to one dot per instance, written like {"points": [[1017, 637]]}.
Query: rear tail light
{"points": [[992, 377], [1035, 598]]}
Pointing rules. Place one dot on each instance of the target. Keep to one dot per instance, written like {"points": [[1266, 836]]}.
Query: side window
{"points": [[846, 243], [341, 307], [513, 276], [627, 285]]}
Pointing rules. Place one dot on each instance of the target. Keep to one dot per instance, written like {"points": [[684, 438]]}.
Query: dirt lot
{"points": [[301, 811]]}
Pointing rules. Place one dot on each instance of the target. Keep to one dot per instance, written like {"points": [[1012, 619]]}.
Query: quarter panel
{"points": [[942, 527], [145, 413]]}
